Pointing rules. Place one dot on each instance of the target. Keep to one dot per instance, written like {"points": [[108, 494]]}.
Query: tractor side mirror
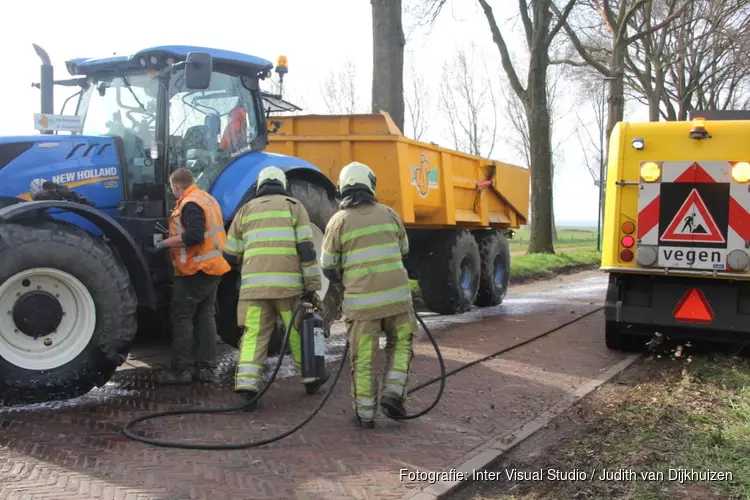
{"points": [[199, 67]]}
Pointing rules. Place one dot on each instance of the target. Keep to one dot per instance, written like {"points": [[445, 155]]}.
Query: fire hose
{"points": [[126, 430]]}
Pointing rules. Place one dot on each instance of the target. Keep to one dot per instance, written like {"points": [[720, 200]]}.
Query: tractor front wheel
{"points": [[67, 312]]}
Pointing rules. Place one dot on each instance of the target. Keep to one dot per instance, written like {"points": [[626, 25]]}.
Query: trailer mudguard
{"points": [[129, 252], [231, 187]]}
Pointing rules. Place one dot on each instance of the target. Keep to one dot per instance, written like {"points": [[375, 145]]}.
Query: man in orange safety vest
{"points": [[196, 239]]}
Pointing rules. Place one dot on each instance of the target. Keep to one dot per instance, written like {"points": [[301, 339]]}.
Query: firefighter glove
{"points": [[312, 298]]}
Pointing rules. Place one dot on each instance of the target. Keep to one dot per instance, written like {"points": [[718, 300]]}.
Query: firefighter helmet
{"points": [[357, 175], [270, 174]]}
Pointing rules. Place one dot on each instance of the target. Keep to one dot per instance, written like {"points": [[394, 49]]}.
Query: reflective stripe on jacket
{"points": [[272, 238], [206, 256], [366, 245]]}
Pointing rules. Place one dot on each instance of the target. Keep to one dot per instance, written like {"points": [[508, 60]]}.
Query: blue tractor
{"points": [[79, 211]]}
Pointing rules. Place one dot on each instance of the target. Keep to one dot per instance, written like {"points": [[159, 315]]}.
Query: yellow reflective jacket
{"points": [[365, 246], [272, 239]]}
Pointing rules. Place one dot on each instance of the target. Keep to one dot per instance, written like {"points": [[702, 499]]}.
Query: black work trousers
{"points": [[193, 311]]}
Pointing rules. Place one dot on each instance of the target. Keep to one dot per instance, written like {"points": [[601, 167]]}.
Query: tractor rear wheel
{"points": [[68, 312], [320, 207], [449, 273], [495, 275]]}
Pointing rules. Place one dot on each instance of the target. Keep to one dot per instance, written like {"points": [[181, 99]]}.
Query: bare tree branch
{"points": [[339, 91]]}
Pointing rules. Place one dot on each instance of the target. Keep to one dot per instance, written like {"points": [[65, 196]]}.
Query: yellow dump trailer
{"points": [[457, 208]]}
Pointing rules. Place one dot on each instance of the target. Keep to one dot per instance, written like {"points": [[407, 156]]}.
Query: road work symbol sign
{"points": [[693, 223]]}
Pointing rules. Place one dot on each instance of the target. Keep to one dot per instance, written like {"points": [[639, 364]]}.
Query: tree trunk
{"points": [[616, 99], [388, 59], [540, 144]]}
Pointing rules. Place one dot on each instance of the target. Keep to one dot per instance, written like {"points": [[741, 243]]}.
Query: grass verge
{"points": [[528, 267], [514, 247], [524, 268], [674, 415]]}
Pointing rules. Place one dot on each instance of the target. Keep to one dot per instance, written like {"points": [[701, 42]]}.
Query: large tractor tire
{"points": [[68, 312], [450, 270], [495, 262], [321, 207]]}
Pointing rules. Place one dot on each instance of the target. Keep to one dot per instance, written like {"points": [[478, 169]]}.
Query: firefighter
{"points": [[364, 246], [270, 240], [196, 238]]}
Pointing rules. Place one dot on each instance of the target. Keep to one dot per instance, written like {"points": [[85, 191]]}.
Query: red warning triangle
{"points": [[693, 308], [695, 173], [693, 223]]}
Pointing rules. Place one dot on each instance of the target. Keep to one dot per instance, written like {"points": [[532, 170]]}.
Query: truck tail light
{"points": [[741, 171], [627, 241], [650, 171], [626, 255], [628, 227]]}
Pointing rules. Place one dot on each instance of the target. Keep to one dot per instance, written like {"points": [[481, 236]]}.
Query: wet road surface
{"points": [[73, 449]]}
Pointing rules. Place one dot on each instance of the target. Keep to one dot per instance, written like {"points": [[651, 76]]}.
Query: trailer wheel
{"points": [[495, 274], [617, 340], [68, 312], [449, 277], [321, 207]]}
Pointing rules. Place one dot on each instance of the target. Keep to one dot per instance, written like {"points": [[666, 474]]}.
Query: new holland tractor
{"points": [[79, 211]]}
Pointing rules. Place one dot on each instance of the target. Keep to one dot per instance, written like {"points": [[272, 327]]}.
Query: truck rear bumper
{"points": [[647, 303]]}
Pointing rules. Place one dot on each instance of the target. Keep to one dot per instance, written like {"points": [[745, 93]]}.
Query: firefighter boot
{"points": [[314, 387], [364, 424], [392, 407], [248, 396]]}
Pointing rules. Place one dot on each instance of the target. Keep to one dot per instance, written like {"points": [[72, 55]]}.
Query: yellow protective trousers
{"points": [[364, 338], [260, 322]]}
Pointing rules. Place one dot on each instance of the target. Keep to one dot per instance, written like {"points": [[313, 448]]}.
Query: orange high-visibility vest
{"points": [[206, 256], [235, 135]]}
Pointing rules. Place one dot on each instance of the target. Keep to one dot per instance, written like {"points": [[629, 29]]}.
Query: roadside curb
{"points": [[482, 457]]}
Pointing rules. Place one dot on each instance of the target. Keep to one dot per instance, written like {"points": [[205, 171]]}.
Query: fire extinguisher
{"points": [[313, 345]]}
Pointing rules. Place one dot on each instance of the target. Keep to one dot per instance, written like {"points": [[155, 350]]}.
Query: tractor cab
{"points": [[170, 111], [173, 106]]}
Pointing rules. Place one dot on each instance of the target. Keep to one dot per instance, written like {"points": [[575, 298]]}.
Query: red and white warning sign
{"points": [[693, 223]]}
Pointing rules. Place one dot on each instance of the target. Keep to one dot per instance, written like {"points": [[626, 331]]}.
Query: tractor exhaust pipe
{"points": [[46, 84]]}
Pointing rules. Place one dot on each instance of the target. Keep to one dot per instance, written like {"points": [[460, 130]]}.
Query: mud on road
{"points": [[74, 449]]}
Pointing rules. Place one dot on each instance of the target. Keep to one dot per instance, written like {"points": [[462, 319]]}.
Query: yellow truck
{"points": [[458, 209], [677, 230]]}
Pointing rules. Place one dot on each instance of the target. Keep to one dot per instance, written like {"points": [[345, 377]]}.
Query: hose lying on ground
{"points": [[126, 430]]}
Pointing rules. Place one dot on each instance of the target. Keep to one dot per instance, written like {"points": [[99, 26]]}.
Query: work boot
{"points": [[364, 424], [313, 387], [392, 407], [248, 396], [173, 377], [204, 375]]}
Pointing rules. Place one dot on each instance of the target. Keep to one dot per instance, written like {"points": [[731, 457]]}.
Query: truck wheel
{"points": [[495, 274], [68, 312], [321, 207], [449, 277], [617, 340]]}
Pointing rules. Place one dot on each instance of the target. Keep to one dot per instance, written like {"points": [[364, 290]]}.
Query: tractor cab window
{"points": [[207, 128], [125, 106]]}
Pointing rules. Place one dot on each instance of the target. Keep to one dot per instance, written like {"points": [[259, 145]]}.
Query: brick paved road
{"points": [[75, 450]]}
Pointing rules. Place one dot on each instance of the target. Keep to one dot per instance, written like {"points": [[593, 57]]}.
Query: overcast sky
{"points": [[316, 36]]}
